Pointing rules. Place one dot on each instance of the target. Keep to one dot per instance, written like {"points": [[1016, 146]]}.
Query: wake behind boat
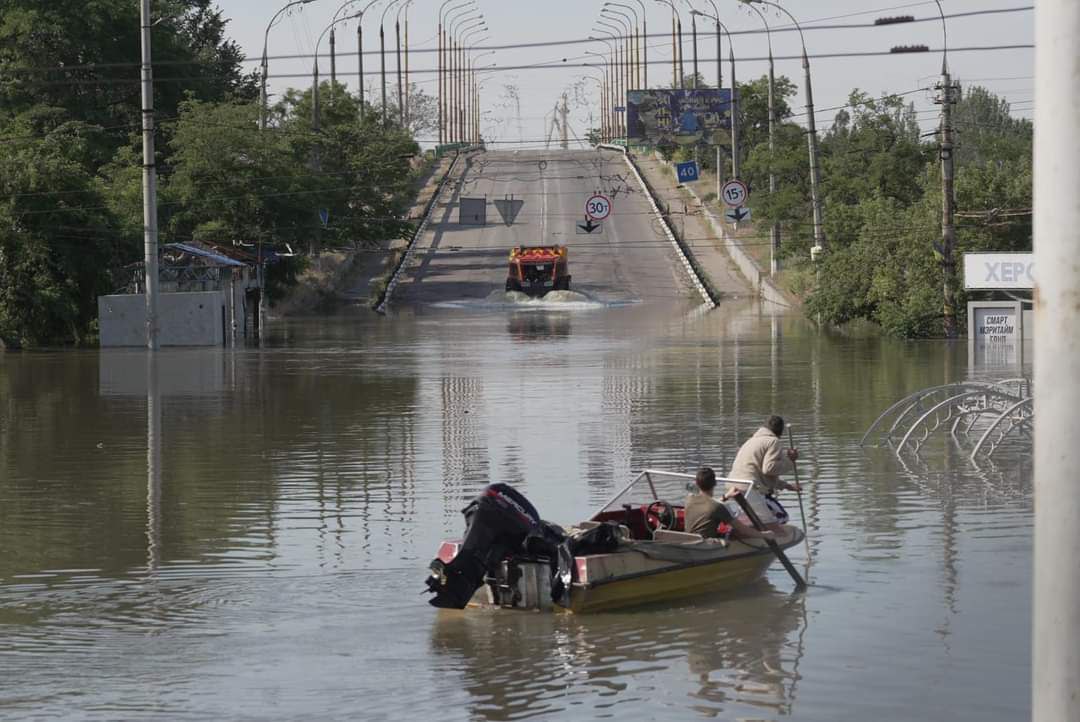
{"points": [[633, 550]]}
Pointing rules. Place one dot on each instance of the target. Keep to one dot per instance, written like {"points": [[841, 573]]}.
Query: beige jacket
{"points": [[761, 459]]}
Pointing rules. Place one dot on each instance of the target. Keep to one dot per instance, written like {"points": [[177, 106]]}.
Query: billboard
{"points": [[988, 271], [678, 117]]}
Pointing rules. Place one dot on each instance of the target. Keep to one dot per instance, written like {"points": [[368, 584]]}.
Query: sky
{"points": [[1005, 72]]}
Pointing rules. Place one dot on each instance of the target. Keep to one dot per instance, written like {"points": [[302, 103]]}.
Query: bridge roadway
{"points": [[630, 260]]}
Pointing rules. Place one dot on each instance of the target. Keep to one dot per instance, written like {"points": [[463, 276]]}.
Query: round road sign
{"points": [[734, 193], [598, 207]]}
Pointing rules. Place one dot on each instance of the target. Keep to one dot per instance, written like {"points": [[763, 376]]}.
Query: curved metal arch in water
{"points": [[1018, 416], [984, 399], [914, 401]]}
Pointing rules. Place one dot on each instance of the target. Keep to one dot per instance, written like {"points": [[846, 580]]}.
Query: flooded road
{"points": [[626, 259], [250, 539]]}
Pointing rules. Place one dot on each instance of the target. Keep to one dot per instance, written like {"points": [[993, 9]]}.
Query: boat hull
{"points": [[628, 578], [668, 584]]}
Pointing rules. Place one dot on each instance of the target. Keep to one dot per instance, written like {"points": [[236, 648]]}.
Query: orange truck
{"points": [[535, 270]]}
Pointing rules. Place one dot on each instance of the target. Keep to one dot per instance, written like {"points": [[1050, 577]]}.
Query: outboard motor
{"points": [[497, 521]]}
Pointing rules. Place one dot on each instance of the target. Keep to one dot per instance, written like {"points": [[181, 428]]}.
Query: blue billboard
{"points": [[678, 117]]}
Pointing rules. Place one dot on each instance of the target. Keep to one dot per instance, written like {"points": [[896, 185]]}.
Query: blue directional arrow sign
{"points": [[688, 172], [324, 216]]}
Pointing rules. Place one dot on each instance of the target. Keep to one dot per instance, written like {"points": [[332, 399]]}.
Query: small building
{"points": [[208, 296]]}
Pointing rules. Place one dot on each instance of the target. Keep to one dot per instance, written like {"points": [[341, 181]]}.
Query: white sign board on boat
{"points": [[990, 271]]}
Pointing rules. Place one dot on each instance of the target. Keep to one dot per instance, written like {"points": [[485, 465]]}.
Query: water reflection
{"points": [[525, 326], [741, 650]]}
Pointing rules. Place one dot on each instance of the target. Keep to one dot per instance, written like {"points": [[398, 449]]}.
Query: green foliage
{"points": [[56, 240], [71, 168]]}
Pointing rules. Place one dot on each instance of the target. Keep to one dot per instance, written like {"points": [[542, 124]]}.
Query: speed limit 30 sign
{"points": [[734, 193], [598, 207]]}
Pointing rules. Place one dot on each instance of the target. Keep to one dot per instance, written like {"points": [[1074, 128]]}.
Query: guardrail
{"points": [[764, 285], [686, 257]]}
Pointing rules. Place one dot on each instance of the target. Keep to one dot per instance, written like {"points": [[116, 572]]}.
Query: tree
{"points": [[57, 238]]}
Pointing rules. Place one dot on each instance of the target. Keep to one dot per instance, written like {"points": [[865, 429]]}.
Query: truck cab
{"points": [[535, 270]]}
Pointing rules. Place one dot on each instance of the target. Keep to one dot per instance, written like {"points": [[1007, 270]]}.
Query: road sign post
{"points": [[590, 228], [734, 215], [598, 207], [688, 171], [734, 194]]}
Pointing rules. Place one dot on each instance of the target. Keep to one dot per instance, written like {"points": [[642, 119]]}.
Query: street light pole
{"points": [[382, 56], [815, 174], [774, 255], [264, 68], [616, 78], [360, 56], [453, 93], [316, 118], [467, 25], [400, 89], [149, 175], [621, 28], [605, 90]]}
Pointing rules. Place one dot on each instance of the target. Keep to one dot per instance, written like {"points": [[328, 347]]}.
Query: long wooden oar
{"points": [[798, 491], [756, 521]]}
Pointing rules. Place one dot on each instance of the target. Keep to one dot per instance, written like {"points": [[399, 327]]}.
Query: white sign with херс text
{"points": [[999, 270]]}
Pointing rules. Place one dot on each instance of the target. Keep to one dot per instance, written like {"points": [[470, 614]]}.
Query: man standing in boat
{"points": [[762, 460]]}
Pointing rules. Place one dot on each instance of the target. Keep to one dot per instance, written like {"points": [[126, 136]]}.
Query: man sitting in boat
{"points": [[761, 460], [711, 519]]}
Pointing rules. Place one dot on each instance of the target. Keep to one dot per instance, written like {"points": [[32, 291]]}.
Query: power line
{"points": [[550, 43]]}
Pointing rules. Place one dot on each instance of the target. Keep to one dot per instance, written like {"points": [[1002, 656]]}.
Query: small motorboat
{"points": [[632, 551]]}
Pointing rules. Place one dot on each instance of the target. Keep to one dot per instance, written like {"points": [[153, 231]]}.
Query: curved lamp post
{"points": [[265, 66], [600, 82], [444, 62], [468, 78], [467, 25], [397, 31], [316, 117], [360, 54], [456, 15], [774, 255], [382, 54], [678, 76], [605, 96], [811, 134], [633, 54], [641, 41], [622, 31], [612, 42]]}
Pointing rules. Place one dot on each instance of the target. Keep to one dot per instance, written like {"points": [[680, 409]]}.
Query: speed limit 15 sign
{"points": [[598, 207], [734, 193]]}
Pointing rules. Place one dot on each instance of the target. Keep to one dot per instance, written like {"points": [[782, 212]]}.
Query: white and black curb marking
{"points": [[403, 264]]}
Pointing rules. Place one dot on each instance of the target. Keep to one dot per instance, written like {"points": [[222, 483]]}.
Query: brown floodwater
{"points": [[244, 535]]}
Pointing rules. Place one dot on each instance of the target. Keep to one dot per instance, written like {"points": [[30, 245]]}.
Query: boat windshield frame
{"points": [[659, 485]]}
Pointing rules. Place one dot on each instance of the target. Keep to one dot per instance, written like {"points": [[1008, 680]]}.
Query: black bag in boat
{"points": [[602, 539], [497, 521]]}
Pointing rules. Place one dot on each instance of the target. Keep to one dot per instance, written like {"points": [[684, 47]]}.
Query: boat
{"points": [[631, 551]]}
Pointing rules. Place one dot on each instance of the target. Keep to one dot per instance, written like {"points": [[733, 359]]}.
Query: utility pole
{"points": [[734, 114], [333, 65], [1056, 606], [400, 89], [150, 221], [360, 69], [564, 113], [947, 98]]}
